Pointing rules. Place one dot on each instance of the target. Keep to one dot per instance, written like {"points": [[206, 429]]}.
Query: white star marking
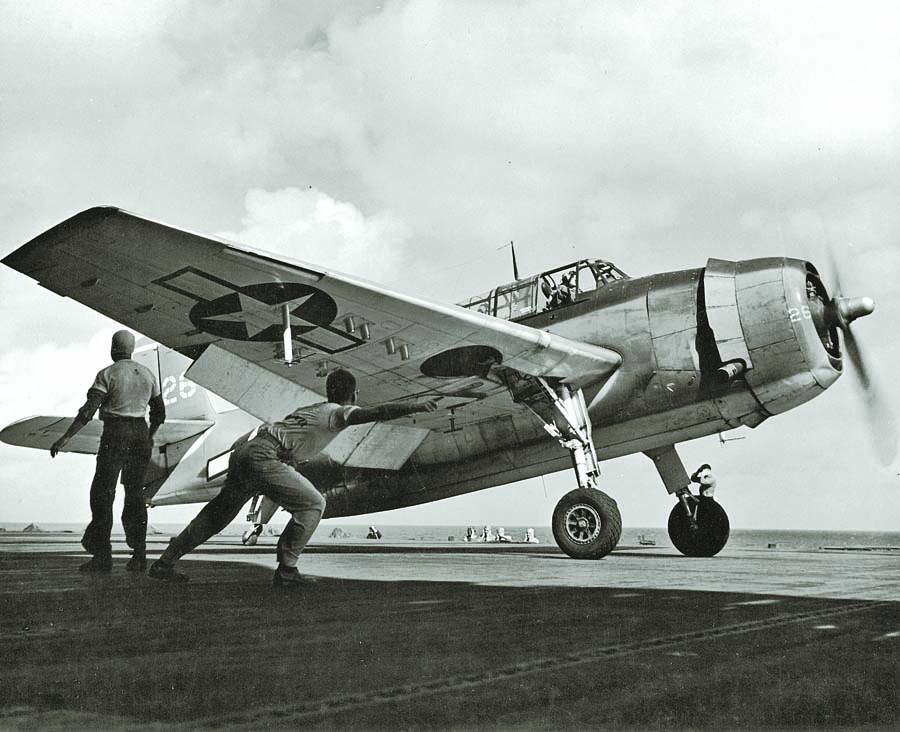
{"points": [[257, 315]]}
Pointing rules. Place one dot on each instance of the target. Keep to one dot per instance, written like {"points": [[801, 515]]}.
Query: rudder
{"points": [[183, 398]]}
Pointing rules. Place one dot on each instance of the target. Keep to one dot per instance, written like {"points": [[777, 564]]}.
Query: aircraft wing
{"points": [[207, 298], [42, 432]]}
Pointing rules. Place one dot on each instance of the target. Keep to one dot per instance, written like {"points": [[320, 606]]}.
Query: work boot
{"points": [[136, 564], [166, 572], [97, 564], [87, 542], [289, 578]]}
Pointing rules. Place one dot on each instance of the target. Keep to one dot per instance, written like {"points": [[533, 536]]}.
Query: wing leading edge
{"points": [[191, 292]]}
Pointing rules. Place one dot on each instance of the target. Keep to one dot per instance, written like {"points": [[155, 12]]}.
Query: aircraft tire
{"points": [[587, 524], [249, 538], [711, 534]]}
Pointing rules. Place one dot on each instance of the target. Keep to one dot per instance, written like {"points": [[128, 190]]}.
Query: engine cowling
{"points": [[769, 320]]}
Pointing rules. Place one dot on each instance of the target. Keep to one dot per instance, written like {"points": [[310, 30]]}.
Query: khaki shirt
{"points": [[127, 387], [307, 431]]}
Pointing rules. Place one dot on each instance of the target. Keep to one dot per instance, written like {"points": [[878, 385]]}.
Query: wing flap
{"points": [[266, 395], [376, 446]]}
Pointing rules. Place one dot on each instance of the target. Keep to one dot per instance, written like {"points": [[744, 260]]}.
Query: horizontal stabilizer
{"points": [[42, 432]]}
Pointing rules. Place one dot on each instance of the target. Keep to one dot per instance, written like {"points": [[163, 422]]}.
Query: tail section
{"points": [[183, 398], [183, 457]]}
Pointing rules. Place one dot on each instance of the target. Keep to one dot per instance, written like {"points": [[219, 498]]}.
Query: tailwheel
{"points": [[709, 532], [587, 524], [250, 536]]}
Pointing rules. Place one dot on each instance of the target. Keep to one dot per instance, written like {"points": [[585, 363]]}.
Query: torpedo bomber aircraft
{"points": [[561, 369]]}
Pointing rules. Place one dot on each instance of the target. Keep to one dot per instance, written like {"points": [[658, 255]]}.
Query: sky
{"points": [[407, 142]]}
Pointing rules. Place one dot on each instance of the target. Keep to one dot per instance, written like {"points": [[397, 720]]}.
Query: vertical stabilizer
{"points": [[184, 399]]}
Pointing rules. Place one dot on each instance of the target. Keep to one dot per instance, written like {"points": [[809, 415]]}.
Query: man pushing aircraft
{"points": [[264, 464]]}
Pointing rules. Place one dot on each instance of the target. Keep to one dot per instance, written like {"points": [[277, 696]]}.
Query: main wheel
{"points": [[587, 524], [711, 533]]}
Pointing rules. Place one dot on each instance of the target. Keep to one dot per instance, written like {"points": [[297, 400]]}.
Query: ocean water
{"points": [[335, 531]]}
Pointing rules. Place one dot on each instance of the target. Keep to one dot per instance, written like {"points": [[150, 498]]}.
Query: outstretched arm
{"points": [[85, 415], [390, 410]]}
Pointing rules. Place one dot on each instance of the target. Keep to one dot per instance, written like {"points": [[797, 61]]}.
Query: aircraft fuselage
{"points": [[674, 331]]}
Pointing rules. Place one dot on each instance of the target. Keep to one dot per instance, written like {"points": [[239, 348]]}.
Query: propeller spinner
{"points": [[837, 313], [844, 310]]}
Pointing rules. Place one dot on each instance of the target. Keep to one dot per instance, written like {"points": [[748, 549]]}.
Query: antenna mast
{"points": [[515, 264]]}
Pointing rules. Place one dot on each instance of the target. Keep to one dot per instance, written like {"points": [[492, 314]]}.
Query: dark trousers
{"points": [[254, 467], [125, 448]]}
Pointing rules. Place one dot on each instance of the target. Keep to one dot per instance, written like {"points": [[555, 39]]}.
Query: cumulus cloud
{"points": [[311, 226], [58, 376]]}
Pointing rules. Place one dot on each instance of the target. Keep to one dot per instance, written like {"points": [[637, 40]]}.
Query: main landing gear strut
{"points": [[586, 521], [698, 527]]}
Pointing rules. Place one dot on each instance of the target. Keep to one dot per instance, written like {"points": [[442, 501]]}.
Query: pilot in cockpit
{"points": [[561, 294], [567, 288], [551, 293]]}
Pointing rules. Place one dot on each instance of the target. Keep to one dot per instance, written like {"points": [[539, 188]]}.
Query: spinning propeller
{"points": [[838, 313]]}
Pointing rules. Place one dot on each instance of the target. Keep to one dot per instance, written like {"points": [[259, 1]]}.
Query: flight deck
{"points": [[450, 636]]}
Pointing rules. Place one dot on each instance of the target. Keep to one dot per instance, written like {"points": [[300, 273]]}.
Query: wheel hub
{"points": [[582, 523]]}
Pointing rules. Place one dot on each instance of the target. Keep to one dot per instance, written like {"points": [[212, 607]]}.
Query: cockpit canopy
{"points": [[546, 291]]}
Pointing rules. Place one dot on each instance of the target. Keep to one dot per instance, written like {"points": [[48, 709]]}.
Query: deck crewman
{"points": [[121, 391], [266, 464]]}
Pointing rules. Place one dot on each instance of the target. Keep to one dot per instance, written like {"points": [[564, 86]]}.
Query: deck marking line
{"points": [[348, 702]]}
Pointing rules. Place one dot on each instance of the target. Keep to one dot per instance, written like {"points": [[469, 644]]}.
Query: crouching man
{"points": [[263, 465]]}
